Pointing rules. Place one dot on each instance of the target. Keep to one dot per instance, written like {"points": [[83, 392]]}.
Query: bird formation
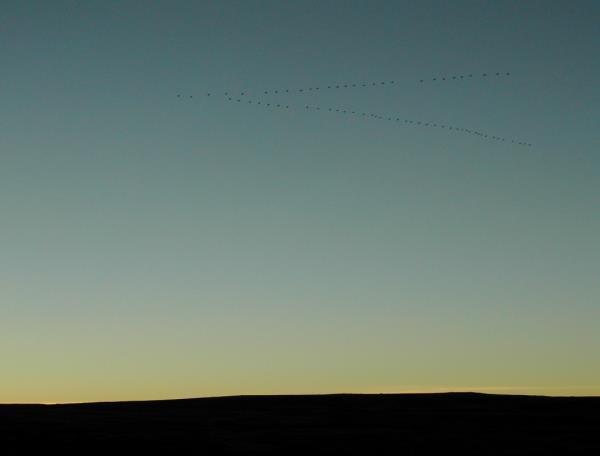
{"points": [[242, 98], [353, 85], [368, 115]]}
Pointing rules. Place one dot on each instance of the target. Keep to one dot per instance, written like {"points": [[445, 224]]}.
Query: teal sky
{"points": [[155, 247]]}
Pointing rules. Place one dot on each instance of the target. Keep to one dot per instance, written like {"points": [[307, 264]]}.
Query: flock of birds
{"points": [[242, 98]]}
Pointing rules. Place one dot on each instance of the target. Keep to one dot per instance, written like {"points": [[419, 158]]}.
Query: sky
{"points": [[154, 245]]}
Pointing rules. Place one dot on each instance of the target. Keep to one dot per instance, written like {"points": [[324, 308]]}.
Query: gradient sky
{"points": [[158, 247]]}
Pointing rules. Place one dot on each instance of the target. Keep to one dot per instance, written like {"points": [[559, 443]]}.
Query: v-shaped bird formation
{"points": [[241, 97]]}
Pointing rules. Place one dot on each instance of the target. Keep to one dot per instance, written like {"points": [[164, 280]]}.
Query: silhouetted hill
{"points": [[465, 423]]}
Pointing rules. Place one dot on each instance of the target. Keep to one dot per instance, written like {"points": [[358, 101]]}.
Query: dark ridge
{"points": [[461, 423]]}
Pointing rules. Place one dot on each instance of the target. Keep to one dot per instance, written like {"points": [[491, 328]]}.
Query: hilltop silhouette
{"points": [[461, 423]]}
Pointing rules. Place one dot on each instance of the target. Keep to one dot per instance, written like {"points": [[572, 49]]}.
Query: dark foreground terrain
{"points": [[330, 424]]}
